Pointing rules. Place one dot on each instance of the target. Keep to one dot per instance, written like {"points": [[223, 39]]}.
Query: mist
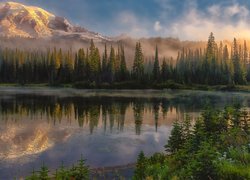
{"points": [[167, 47]]}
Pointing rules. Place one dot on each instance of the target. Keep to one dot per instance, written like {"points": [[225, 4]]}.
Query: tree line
{"points": [[217, 64]]}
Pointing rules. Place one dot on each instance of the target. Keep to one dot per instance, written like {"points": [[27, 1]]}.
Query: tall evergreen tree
{"points": [[94, 62], [111, 65], [164, 70], [123, 66], [105, 65], [211, 47], [239, 76], [79, 67], [156, 69], [138, 66]]}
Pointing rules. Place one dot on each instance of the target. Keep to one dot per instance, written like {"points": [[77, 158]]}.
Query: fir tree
{"points": [[111, 65], [44, 173], [156, 69], [81, 171], [123, 66], [138, 66], [239, 76], [176, 138], [140, 167], [164, 70]]}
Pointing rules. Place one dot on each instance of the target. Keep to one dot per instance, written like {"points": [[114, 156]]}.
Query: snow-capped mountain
{"points": [[18, 20]]}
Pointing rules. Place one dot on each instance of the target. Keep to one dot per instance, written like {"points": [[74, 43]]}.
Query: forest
{"points": [[217, 64]]}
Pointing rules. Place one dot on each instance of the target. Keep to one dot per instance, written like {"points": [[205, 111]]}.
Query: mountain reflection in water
{"points": [[107, 127]]}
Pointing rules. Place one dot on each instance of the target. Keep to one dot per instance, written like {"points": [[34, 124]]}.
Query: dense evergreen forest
{"points": [[218, 64]]}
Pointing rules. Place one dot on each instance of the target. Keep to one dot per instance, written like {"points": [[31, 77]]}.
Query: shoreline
{"points": [[196, 87]]}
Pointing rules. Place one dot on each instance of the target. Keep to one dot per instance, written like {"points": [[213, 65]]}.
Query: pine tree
{"points": [[123, 66], [111, 65], [94, 62], [228, 66], [138, 66], [176, 138], [211, 61], [156, 69], [164, 70], [44, 173], [81, 171], [211, 47], [79, 66], [68, 67], [62, 173], [245, 65], [117, 62], [105, 65], [239, 76], [141, 164], [105, 59]]}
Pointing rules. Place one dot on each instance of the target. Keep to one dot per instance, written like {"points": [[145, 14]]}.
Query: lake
{"points": [[106, 127]]}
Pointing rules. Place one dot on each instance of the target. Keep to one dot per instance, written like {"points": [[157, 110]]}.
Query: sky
{"points": [[183, 19]]}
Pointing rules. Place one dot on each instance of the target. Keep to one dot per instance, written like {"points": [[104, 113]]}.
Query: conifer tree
{"points": [[138, 66], [81, 171], [44, 173], [164, 70], [105, 59], [140, 167], [239, 76], [105, 65], [211, 47], [123, 66], [94, 62], [176, 138], [79, 66], [111, 65], [156, 69]]}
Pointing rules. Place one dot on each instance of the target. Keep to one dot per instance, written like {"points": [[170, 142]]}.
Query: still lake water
{"points": [[106, 127]]}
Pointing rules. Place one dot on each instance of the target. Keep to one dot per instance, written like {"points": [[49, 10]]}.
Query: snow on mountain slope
{"points": [[18, 20]]}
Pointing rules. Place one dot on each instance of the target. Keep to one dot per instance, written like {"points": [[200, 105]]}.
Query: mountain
{"points": [[18, 20]]}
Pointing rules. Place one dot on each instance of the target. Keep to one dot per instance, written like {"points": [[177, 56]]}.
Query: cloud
{"points": [[214, 10], [188, 20], [225, 21], [157, 26], [133, 25], [236, 9]]}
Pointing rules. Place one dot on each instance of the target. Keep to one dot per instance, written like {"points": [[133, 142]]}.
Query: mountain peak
{"points": [[33, 10], [19, 20], [25, 21]]}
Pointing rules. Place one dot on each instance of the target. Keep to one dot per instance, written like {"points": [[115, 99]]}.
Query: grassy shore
{"points": [[134, 85]]}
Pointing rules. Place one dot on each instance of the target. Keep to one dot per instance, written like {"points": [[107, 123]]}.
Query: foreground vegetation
{"points": [[78, 172], [216, 146], [90, 68]]}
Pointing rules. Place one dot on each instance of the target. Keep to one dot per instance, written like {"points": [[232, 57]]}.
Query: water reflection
{"points": [[108, 128], [108, 112]]}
